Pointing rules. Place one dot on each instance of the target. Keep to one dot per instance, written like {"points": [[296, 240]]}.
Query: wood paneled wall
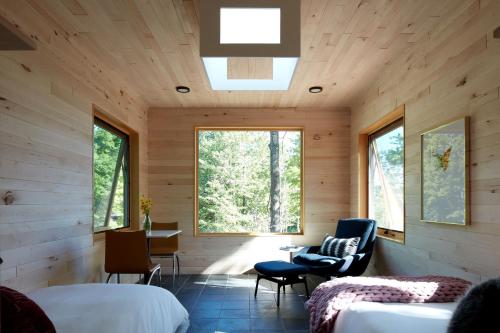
{"points": [[46, 99], [171, 180], [451, 72]]}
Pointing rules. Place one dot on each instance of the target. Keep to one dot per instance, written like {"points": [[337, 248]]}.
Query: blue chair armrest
{"points": [[346, 262], [307, 249], [313, 249]]}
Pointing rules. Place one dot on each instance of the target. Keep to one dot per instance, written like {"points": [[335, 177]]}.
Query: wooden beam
{"points": [[363, 175], [389, 118], [11, 39]]}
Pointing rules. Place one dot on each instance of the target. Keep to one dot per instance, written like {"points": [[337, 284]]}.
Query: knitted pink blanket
{"points": [[330, 297]]}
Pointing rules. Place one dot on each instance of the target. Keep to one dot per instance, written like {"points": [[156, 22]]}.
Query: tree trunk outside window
{"points": [[275, 182]]}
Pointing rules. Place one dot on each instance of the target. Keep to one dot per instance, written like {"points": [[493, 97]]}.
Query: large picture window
{"points": [[111, 177], [249, 181], [386, 177]]}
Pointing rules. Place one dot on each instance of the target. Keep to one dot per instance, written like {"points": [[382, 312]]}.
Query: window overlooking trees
{"points": [[111, 177], [386, 177], [249, 181]]}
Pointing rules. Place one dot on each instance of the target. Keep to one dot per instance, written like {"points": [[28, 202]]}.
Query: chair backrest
{"points": [[365, 229], [165, 245], [126, 252]]}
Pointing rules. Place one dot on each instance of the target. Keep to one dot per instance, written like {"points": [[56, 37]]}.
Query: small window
{"points": [[111, 177], [386, 177], [249, 181]]}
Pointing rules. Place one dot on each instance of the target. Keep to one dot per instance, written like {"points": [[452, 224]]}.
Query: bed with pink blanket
{"points": [[385, 304]]}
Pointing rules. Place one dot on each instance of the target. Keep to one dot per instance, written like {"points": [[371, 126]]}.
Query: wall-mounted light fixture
{"points": [[496, 33], [11, 38]]}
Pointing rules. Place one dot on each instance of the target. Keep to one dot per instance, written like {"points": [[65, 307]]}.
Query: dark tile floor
{"points": [[226, 303]]}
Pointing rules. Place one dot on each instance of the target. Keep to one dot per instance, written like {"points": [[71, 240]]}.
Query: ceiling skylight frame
{"points": [[215, 54], [210, 45]]}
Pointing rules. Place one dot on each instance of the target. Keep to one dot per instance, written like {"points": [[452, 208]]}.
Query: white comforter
{"points": [[371, 317], [107, 308]]}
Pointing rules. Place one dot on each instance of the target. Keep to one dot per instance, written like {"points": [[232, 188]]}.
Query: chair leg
{"points": [[118, 278], [256, 285], [150, 276], [278, 298], [178, 265], [173, 264], [109, 277], [305, 285], [159, 277]]}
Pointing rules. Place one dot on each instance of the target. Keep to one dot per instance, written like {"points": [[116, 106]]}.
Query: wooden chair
{"points": [[127, 253], [168, 247]]}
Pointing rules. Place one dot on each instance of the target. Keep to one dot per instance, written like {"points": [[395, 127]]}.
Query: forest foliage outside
{"points": [[110, 192], [249, 181], [386, 179]]}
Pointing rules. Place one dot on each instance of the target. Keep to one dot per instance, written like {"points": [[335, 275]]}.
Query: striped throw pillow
{"points": [[339, 247]]}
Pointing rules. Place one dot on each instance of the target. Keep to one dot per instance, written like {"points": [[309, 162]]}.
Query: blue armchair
{"points": [[354, 265]]}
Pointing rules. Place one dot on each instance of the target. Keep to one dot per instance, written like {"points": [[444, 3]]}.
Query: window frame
{"points": [[385, 124], [197, 129], [106, 125]]}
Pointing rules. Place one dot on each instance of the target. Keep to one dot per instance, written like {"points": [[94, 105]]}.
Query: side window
{"points": [[386, 177], [111, 176]]}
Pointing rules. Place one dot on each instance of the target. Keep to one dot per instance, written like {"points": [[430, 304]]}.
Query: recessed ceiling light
{"points": [[250, 25], [315, 90], [182, 89]]}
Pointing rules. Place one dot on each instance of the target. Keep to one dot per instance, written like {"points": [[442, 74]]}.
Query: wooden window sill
{"points": [[392, 235]]}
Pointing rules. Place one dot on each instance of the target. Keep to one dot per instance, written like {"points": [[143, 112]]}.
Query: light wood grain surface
{"points": [[453, 71], [171, 181], [154, 45], [46, 99], [439, 58]]}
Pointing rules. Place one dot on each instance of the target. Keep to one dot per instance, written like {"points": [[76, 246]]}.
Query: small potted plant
{"points": [[146, 205]]}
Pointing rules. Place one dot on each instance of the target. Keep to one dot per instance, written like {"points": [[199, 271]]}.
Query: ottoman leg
{"points": [[305, 285], [278, 299], [257, 285]]}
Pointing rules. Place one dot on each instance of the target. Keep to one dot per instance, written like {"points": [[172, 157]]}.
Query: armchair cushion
{"points": [[339, 247], [280, 268], [313, 259]]}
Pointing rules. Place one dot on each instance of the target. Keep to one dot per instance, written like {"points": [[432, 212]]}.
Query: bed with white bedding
{"points": [[106, 308], [371, 317]]}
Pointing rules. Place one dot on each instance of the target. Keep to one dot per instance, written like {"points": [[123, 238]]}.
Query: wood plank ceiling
{"points": [[154, 46]]}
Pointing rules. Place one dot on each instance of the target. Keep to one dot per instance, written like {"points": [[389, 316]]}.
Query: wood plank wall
{"points": [[453, 71], [171, 181], [46, 99]]}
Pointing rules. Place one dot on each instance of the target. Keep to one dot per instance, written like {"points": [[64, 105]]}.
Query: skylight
{"points": [[283, 69], [250, 25]]}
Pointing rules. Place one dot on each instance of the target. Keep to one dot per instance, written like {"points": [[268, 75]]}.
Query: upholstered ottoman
{"points": [[281, 272]]}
